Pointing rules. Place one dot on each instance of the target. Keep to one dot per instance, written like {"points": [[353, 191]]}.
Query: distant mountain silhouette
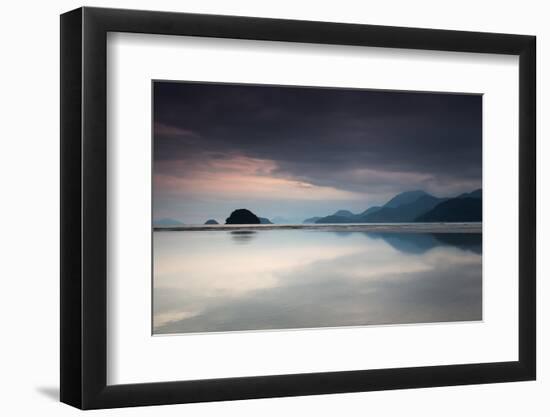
{"points": [[242, 216], [311, 220], [473, 194], [341, 216], [167, 222], [407, 212], [406, 197], [337, 219], [211, 221], [344, 213], [371, 210], [404, 207], [454, 210], [408, 206], [264, 220]]}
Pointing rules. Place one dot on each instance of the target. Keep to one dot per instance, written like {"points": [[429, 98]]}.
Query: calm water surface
{"points": [[212, 281]]}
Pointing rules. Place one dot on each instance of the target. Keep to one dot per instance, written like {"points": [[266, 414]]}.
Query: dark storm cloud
{"points": [[348, 139]]}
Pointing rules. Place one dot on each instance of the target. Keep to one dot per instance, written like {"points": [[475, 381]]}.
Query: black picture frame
{"points": [[84, 208]]}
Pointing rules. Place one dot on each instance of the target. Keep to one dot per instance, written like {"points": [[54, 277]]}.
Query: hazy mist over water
{"points": [[218, 281]]}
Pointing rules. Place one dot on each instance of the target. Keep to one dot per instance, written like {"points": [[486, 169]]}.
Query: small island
{"points": [[211, 221], [242, 216]]}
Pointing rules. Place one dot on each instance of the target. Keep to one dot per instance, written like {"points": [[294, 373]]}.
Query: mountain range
{"points": [[405, 207], [414, 206]]}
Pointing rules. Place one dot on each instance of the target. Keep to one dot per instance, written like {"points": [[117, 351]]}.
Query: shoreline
{"points": [[340, 227]]}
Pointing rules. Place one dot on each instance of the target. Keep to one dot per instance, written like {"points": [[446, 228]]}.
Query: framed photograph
{"points": [[258, 208]]}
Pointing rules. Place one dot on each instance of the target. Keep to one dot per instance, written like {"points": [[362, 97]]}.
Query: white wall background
{"points": [[29, 237]]}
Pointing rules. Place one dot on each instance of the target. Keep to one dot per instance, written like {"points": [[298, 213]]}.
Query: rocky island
{"points": [[242, 216]]}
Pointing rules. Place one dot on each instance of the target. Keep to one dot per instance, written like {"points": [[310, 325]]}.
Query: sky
{"points": [[298, 152]]}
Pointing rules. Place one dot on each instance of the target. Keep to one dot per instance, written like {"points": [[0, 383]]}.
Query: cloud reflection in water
{"points": [[283, 279]]}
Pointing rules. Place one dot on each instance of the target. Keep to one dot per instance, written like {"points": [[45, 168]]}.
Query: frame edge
{"points": [[70, 215], [83, 198], [527, 207]]}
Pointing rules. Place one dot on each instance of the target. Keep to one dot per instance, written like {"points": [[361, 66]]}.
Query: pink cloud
{"points": [[162, 129], [243, 177]]}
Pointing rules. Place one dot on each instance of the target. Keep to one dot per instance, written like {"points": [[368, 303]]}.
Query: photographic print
{"points": [[291, 207]]}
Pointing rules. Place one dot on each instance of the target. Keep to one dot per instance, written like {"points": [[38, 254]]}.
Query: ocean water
{"points": [[261, 279]]}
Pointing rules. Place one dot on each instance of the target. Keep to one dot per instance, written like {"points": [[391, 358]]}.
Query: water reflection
{"points": [[280, 279], [417, 243], [242, 236]]}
